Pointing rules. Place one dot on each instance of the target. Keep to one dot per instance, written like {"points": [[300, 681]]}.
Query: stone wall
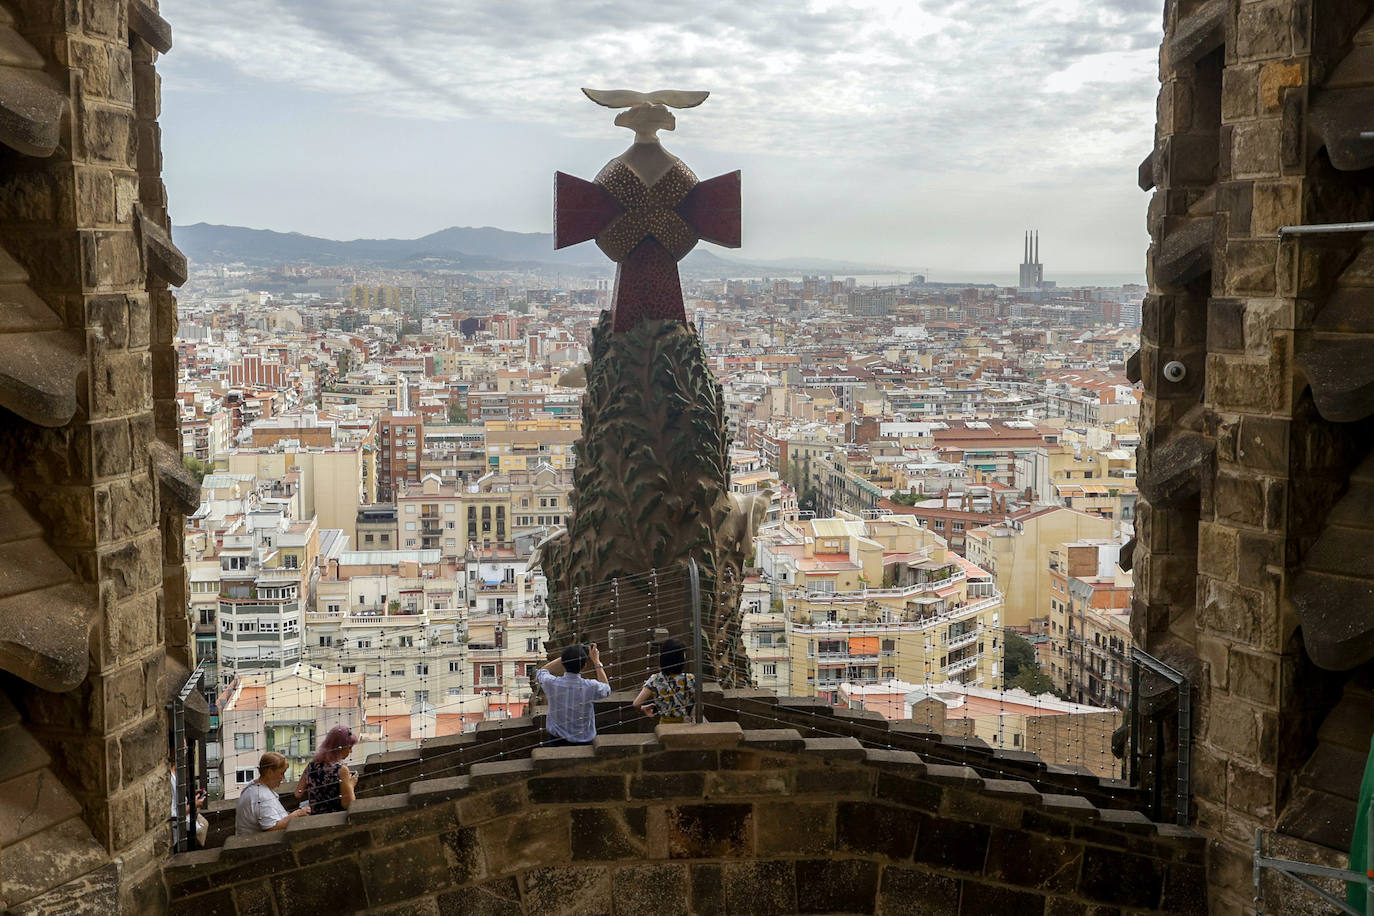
{"points": [[1245, 459], [84, 456], [706, 819]]}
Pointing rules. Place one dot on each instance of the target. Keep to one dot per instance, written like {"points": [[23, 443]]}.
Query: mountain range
{"points": [[463, 248]]}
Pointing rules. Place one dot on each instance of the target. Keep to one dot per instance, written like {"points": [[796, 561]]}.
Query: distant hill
{"points": [[461, 248]]}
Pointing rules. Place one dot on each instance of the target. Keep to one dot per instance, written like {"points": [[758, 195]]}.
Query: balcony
{"points": [[960, 666], [958, 642]]}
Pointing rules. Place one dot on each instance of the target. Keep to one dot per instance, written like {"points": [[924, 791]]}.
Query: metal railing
{"points": [[184, 809], [1300, 871], [1183, 768]]}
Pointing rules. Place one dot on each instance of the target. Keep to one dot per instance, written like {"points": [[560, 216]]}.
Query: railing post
{"points": [[1133, 757], [694, 577]]}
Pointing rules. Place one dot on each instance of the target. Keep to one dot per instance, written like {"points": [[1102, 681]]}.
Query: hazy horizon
{"points": [[916, 133]]}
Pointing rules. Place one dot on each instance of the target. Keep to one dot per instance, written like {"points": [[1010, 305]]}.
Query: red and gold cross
{"points": [[646, 230]]}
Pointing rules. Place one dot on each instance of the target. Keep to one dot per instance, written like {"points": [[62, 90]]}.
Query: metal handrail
{"points": [[1295, 870], [1183, 772], [694, 580]]}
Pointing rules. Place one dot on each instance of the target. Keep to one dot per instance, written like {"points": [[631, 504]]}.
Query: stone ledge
{"points": [[553, 758], [706, 736], [499, 772]]}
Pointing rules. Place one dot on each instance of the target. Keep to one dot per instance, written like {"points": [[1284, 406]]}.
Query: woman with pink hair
{"points": [[326, 779]]}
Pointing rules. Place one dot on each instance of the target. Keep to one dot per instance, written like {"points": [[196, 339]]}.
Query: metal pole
{"points": [[694, 577], [1326, 228], [1185, 710], [1134, 731]]}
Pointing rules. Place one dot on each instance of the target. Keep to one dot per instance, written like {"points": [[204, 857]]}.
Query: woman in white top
{"points": [[259, 808]]}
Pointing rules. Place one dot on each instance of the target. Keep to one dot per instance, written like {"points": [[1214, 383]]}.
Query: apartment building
{"points": [[1090, 622], [872, 600], [267, 568], [1017, 551]]}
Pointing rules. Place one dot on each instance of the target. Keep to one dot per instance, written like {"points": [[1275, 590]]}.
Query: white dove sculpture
{"points": [[647, 112]]}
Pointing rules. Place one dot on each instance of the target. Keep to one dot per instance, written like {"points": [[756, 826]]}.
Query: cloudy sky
{"points": [[917, 133]]}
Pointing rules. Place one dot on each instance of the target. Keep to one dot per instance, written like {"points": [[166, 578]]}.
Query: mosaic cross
{"points": [[646, 209]]}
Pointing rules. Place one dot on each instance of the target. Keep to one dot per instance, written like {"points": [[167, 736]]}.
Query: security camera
{"points": [[1174, 371]]}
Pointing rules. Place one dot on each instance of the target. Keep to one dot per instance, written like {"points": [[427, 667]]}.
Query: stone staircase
{"points": [[51, 863], [1322, 807]]}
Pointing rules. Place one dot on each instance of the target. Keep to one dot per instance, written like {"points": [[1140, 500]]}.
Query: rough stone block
{"points": [[1264, 30], [744, 887], [668, 785], [1034, 862], [794, 828], [494, 898], [656, 889], [527, 840], [467, 860], [572, 890], [555, 790], [758, 782], [608, 833], [709, 831], [874, 829], [499, 772], [836, 886], [668, 761], [909, 892], [553, 758], [625, 745], [335, 886], [408, 870], [1121, 878], [986, 898], [951, 844], [917, 793], [432, 819]]}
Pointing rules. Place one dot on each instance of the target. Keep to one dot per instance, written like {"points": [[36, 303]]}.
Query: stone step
{"points": [[20, 753], [15, 522], [1335, 613], [1356, 507], [1342, 550], [1319, 817], [1341, 372], [1349, 309], [1351, 723], [1334, 769], [29, 565]]}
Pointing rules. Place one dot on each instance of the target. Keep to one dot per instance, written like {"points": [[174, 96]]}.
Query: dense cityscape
{"points": [[948, 471]]}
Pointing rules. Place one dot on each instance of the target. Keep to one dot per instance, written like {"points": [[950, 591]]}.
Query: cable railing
{"points": [[648, 607]]}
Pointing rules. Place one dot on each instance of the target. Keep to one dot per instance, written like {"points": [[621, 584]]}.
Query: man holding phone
{"points": [[572, 697]]}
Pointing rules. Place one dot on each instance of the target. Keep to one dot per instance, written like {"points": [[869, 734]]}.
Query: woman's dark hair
{"points": [[672, 656]]}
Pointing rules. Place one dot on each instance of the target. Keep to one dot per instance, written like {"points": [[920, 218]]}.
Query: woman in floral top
{"points": [[670, 694]]}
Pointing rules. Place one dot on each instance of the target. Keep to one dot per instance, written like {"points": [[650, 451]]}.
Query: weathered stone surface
{"points": [[148, 25], [94, 892], [164, 259], [1197, 35], [494, 898], [836, 885], [709, 831], [1176, 469], [657, 889], [397, 873], [571, 890], [910, 892]]}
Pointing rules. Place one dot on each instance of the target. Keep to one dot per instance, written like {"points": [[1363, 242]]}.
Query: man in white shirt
{"points": [[259, 808], [572, 698]]}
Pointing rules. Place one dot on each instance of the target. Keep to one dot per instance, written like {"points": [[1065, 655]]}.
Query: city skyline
{"points": [[914, 137]]}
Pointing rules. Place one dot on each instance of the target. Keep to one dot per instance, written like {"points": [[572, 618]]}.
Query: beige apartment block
{"points": [[1017, 554]]}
